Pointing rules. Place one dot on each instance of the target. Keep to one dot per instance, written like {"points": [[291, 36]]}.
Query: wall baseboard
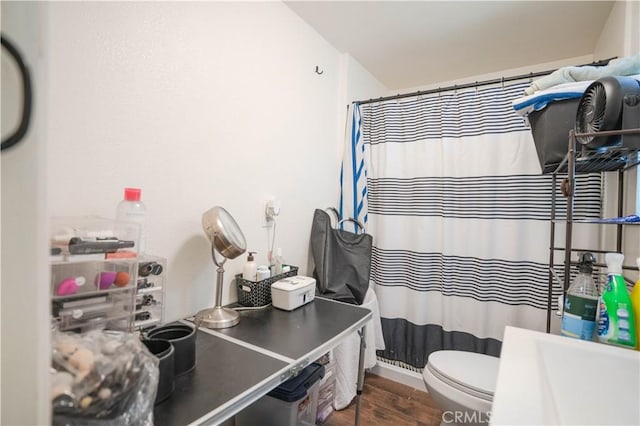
{"points": [[398, 374]]}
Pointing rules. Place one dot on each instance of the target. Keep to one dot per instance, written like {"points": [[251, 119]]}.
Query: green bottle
{"points": [[616, 322]]}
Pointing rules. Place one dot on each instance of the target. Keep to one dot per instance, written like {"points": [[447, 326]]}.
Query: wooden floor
{"points": [[388, 403]]}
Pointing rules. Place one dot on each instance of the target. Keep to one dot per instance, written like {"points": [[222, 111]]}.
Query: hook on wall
{"points": [[318, 71]]}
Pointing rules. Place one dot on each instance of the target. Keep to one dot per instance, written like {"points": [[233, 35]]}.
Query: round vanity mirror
{"points": [[227, 239], [223, 231]]}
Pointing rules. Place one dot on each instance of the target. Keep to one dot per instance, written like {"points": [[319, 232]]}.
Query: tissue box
{"points": [[293, 292]]}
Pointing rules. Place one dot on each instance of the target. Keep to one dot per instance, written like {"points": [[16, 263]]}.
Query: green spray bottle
{"points": [[616, 323]]}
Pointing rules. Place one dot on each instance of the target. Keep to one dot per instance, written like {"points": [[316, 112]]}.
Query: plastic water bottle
{"points": [[276, 263], [581, 302], [132, 210]]}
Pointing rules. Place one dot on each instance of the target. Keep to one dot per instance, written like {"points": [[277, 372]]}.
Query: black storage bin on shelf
{"points": [[258, 293], [550, 128]]}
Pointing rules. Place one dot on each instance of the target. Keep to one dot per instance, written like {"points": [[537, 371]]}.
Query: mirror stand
{"points": [[218, 316]]}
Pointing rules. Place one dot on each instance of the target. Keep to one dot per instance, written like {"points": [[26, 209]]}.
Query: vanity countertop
{"points": [[546, 379]]}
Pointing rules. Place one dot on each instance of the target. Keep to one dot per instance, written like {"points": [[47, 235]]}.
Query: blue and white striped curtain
{"points": [[459, 214], [353, 175]]}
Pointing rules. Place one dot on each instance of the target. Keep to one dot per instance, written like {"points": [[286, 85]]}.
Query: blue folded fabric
{"points": [[526, 105], [625, 219]]}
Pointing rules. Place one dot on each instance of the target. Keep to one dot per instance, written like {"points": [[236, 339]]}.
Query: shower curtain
{"points": [[459, 213]]}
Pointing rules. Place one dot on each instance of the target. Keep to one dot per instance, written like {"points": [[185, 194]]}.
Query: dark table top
{"points": [[298, 333], [236, 366], [224, 372]]}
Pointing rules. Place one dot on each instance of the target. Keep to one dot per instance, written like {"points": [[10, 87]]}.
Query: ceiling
{"points": [[406, 44]]}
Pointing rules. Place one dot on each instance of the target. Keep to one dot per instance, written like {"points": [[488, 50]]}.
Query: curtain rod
{"points": [[476, 84]]}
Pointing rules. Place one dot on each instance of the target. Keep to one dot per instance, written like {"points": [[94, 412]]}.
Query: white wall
{"points": [[621, 33], [361, 84], [632, 27], [611, 40], [24, 295], [199, 104], [621, 37]]}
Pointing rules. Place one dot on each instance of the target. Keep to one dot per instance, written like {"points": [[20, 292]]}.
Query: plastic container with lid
{"points": [[294, 402], [262, 273], [132, 210], [292, 292]]}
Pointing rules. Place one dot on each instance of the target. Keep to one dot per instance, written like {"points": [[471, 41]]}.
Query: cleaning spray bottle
{"points": [[581, 302], [616, 323], [635, 303]]}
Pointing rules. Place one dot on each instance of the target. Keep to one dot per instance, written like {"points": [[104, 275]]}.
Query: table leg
{"points": [[360, 383]]}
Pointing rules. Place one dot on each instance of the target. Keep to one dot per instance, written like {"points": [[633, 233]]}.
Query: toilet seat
{"points": [[469, 372]]}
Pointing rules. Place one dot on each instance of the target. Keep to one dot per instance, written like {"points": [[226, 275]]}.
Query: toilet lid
{"points": [[467, 371]]}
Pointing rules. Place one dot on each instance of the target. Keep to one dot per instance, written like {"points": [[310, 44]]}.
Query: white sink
{"points": [[548, 379]]}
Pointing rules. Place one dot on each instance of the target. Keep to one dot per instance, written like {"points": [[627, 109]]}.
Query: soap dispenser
{"points": [[250, 270]]}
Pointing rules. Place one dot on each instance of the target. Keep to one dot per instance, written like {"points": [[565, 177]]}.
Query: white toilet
{"points": [[462, 384]]}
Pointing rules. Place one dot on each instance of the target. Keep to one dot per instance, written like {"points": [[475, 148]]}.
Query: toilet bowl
{"points": [[462, 384]]}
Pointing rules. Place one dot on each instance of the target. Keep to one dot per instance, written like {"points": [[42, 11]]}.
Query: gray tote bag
{"points": [[342, 259]]}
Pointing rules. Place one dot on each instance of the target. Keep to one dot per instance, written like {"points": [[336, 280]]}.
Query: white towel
{"points": [[629, 65], [346, 354]]}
